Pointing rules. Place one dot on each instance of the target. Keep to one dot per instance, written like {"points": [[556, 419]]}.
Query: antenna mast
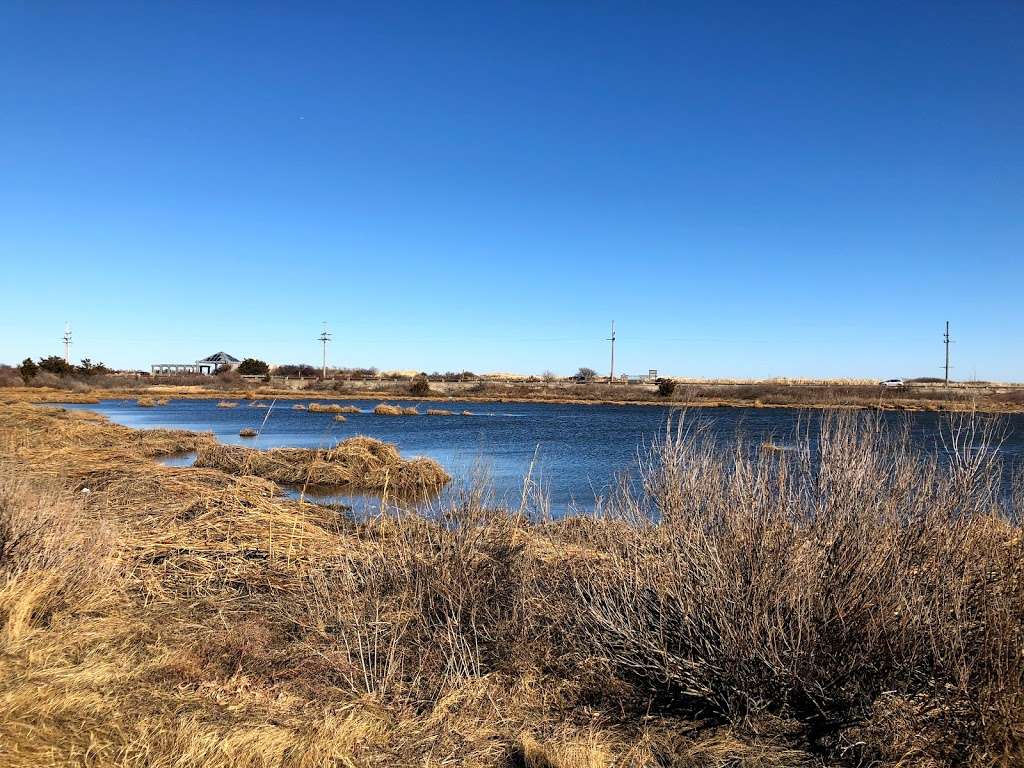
{"points": [[67, 343]]}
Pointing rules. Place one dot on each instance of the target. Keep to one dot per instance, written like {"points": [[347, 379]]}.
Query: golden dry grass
{"points": [[227, 404], [247, 432], [439, 412], [868, 613]]}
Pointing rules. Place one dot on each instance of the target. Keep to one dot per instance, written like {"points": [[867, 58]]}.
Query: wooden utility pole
{"points": [[611, 373], [324, 338], [946, 342]]}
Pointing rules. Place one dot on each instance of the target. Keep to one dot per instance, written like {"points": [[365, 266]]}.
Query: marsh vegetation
{"points": [[854, 601]]}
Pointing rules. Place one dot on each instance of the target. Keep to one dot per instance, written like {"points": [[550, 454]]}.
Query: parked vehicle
{"points": [[892, 384]]}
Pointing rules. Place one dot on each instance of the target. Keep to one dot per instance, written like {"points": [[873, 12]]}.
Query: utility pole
{"points": [[324, 338], [67, 343], [611, 373], [945, 338]]}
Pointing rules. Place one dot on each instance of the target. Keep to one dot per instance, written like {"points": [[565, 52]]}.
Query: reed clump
{"points": [[298, 407], [340, 417], [724, 607], [439, 412], [358, 462], [247, 432], [145, 402], [385, 409], [227, 404]]}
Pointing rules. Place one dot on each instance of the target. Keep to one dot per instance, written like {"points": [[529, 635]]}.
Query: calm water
{"points": [[579, 449]]}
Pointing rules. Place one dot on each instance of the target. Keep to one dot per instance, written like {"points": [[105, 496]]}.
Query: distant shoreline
{"points": [[862, 397]]}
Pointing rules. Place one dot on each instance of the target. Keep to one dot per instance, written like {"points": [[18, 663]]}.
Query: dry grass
{"points": [[145, 402], [298, 407], [247, 432], [227, 404], [739, 608], [340, 417], [385, 409], [439, 412]]}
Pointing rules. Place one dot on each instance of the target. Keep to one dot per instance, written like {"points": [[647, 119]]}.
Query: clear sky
{"points": [[747, 189]]}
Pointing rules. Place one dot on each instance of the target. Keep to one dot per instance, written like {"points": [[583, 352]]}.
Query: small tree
{"points": [[88, 368], [293, 371], [420, 386], [666, 387], [28, 369], [253, 367], [586, 374], [56, 365]]}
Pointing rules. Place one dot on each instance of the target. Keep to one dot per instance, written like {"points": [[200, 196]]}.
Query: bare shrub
{"points": [[437, 602], [809, 583]]}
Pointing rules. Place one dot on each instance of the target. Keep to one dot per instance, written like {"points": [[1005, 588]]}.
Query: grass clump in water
{"points": [[332, 408], [358, 462], [385, 409]]}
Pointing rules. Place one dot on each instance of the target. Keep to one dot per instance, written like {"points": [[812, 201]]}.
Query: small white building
{"points": [[219, 361]]}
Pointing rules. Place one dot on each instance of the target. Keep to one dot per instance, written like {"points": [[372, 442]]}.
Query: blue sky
{"points": [[747, 189]]}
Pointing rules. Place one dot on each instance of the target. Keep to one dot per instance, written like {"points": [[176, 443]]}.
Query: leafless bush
{"points": [[434, 603], [815, 583]]}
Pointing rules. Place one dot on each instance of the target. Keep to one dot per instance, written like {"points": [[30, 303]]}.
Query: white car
{"points": [[892, 384]]}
